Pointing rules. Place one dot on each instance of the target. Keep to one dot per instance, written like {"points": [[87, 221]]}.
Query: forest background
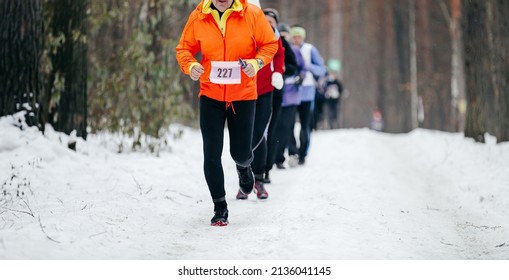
{"points": [[88, 66]]}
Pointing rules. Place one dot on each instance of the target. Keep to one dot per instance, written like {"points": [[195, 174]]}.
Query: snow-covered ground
{"points": [[362, 195]]}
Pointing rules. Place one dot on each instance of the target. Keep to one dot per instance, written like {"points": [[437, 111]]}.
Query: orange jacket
{"points": [[241, 32]]}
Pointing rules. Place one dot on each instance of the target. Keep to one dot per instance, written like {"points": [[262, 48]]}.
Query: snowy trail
{"points": [[378, 200], [373, 204], [361, 195]]}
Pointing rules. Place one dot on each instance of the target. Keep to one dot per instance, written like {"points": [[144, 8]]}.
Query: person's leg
{"points": [[333, 113], [271, 136], [212, 119], [286, 121], [317, 116], [305, 115], [240, 118], [293, 149], [261, 126]]}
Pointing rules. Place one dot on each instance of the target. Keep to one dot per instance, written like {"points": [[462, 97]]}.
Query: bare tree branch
{"points": [[19, 211], [138, 185], [445, 11], [42, 229], [31, 212]]}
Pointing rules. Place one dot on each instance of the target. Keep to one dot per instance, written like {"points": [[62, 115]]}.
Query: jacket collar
{"points": [[205, 7]]}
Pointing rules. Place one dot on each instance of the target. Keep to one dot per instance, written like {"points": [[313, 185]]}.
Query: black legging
{"points": [[305, 115], [271, 136], [333, 106], [240, 118], [261, 126], [284, 131]]}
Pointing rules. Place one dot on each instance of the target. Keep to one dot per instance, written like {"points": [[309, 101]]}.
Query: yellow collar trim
{"points": [[221, 22], [237, 6]]}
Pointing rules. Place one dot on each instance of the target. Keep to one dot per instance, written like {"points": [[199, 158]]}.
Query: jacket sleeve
{"points": [[265, 38], [279, 58], [317, 66], [188, 46]]}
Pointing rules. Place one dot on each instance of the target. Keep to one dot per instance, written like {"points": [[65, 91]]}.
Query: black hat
{"points": [[272, 13]]}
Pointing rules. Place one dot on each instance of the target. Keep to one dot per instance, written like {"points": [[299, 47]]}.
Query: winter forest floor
{"points": [[362, 195]]}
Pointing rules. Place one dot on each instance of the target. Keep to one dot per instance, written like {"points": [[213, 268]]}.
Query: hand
{"points": [[196, 72], [277, 80], [249, 70]]}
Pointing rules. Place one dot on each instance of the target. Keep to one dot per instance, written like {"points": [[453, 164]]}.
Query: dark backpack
{"points": [[291, 67]]}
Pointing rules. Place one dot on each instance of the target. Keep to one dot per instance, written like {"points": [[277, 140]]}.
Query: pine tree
{"points": [[21, 28], [65, 104]]}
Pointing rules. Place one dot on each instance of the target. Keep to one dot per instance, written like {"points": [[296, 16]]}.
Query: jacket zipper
{"points": [[224, 59]]}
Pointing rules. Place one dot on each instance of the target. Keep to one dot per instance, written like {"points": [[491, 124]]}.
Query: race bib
{"points": [[225, 72]]}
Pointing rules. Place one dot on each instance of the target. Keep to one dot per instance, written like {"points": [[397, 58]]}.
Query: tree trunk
{"points": [[70, 64], [503, 51], [413, 65], [21, 29], [476, 86], [454, 29], [424, 63], [497, 13], [400, 120]]}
